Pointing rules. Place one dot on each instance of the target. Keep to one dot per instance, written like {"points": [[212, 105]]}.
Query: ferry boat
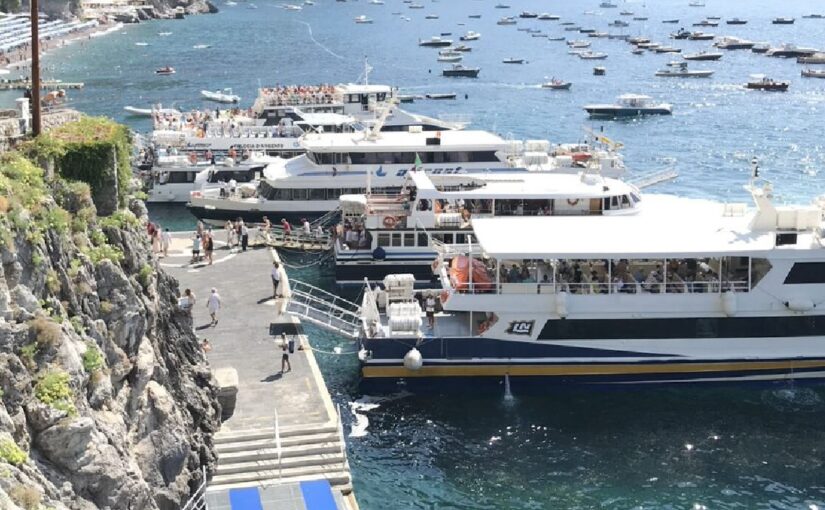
{"points": [[383, 234], [629, 105], [683, 291], [310, 185]]}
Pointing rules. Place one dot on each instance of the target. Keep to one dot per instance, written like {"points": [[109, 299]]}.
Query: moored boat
{"points": [[458, 70], [166, 70], [435, 42], [221, 96], [703, 55], [555, 84], [629, 105], [813, 73], [680, 70], [762, 82]]}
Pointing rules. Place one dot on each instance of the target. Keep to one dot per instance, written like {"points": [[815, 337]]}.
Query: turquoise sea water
{"points": [[731, 448]]}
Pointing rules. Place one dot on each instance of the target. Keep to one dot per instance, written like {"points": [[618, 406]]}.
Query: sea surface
{"points": [[675, 448]]}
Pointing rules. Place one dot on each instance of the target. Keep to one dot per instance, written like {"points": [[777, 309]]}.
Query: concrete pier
{"points": [[247, 338]]}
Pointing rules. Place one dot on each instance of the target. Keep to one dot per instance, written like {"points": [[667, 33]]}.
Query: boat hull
{"points": [[467, 73], [251, 215], [621, 113]]}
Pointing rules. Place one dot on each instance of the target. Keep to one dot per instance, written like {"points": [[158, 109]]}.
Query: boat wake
{"points": [[793, 399], [365, 404], [309, 29]]}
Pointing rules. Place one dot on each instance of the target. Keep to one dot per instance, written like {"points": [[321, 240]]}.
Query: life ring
{"points": [[193, 158], [581, 156], [390, 221], [572, 201]]}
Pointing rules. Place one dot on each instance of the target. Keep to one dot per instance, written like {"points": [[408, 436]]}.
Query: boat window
{"points": [[299, 194], [311, 157], [317, 194], [395, 239], [383, 239], [614, 202], [180, 177], [806, 272], [759, 268], [409, 239], [636, 198], [625, 202], [423, 239], [460, 239]]}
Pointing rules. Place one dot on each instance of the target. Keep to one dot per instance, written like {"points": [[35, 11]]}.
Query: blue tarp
{"points": [[318, 495], [245, 499]]}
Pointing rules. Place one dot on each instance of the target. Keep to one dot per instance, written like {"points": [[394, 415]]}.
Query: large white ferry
{"points": [[383, 234], [683, 291], [339, 164]]}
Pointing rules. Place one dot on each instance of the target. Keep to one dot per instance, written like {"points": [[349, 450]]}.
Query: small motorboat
{"points": [[470, 36], [415, 6], [814, 16], [640, 18], [672, 21], [578, 44], [201, 46], [528, 15], [463, 48], [224, 96], [783, 21], [813, 73], [737, 21], [141, 44], [450, 58], [626, 13], [513, 60], [680, 70], [706, 23], [548, 17], [608, 5], [431, 16], [790, 51], [164, 34], [559, 38], [667, 49], [376, 2], [680, 34], [618, 23], [701, 36], [408, 98], [816, 58], [703, 55], [474, 16], [696, 4], [761, 47], [460, 71], [139, 112], [165, 70], [293, 7], [599, 71], [637, 51], [555, 84], [592, 55], [435, 42], [629, 105], [762, 82], [502, 6], [733, 43], [440, 97], [362, 20], [507, 20]]}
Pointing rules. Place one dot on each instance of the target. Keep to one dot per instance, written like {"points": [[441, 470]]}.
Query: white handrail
{"points": [[198, 499], [341, 437], [278, 443]]}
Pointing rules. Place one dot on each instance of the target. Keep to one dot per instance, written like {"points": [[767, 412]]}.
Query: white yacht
{"points": [[683, 291], [383, 234], [341, 164], [629, 105], [680, 70]]}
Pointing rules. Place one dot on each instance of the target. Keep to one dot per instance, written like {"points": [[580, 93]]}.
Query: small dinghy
{"points": [[440, 96], [555, 84], [225, 96], [513, 61], [165, 70], [138, 112]]}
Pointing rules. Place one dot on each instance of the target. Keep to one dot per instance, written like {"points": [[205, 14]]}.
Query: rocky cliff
{"points": [[107, 399]]}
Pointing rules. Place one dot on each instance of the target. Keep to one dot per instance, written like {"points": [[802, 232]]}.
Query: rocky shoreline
{"points": [[107, 398]]}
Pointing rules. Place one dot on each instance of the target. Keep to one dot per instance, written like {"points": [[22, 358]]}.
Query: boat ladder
{"points": [[324, 309], [653, 178]]}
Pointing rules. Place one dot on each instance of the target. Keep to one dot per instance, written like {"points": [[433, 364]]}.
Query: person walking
{"points": [[165, 241], [196, 248], [285, 355], [276, 279], [213, 304], [208, 246], [244, 236]]}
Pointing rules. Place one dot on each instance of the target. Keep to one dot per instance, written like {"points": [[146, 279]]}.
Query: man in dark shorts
{"points": [[285, 355]]}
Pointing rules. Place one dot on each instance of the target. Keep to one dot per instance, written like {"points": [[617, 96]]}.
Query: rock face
{"points": [[106, 393]]}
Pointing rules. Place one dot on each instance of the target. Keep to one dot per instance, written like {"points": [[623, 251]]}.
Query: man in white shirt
{"points": [[276, 279], [429, 306], [213, 304], [165, 241]]}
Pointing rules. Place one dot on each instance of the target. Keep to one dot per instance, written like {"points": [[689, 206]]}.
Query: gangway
{"points": [[324, 309], [329, 218], [653, 178]]}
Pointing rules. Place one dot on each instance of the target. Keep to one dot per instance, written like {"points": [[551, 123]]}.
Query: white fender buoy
{"points": [[413, 359], [729, 303], [363, 355], [561, 304], [800, 305]]}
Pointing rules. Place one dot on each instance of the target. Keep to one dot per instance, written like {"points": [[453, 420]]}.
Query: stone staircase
{"points": [[248, 458]]}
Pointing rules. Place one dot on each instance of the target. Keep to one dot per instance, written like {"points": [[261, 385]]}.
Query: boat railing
{"points": [[633, 287]]}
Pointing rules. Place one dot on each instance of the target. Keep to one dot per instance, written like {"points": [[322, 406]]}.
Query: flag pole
{"points": [[35, 76]]}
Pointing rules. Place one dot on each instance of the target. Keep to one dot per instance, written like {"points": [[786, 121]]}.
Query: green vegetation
{"points": [[106, 307], [53, 389], [145, 275], [11, 453], [74, 268], [52, 281], [77, 325], [92, 358], [87, 148], [120, 219], [28, 352]]}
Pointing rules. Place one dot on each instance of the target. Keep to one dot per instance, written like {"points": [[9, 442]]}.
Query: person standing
{"points": [[165, 241], [276, 279], [186, 301], [307, 227], [285, 355], [208, 247], [244, 236], [213, 304], [429, 305], [196, 248]]}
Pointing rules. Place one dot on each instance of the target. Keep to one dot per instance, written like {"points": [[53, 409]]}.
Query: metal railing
{"points": [[324, 309], [278, 448], [341, 438], [198, 499], [634, 287]]}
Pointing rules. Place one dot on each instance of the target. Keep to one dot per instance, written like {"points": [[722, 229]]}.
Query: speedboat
{"points": [[783, 21], [470, 36], [706, 23], [813, 73], [548, 17], [441, 97], [435, 42], [762, 82], [513, 60], [701, 36], [703, 55], [733, 43], [362, 20], [592, 55], [737, 21], [629, 105], [458, 70], [555, 84], [452, 57], [761, 47], [507, 20], [140, 112], [165, 70], [790, 51], [680, 70], [816, 58], [225, 96], [462, 47], [528, 15], [672, 21], [608, 5]]}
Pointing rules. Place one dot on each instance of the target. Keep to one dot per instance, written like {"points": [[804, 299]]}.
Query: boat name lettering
{"points": [[238, 145], [436, 171], [521, 327]]}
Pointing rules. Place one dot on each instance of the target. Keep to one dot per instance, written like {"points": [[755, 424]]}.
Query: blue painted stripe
{"points": [[318, 495], [245, 499]]}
